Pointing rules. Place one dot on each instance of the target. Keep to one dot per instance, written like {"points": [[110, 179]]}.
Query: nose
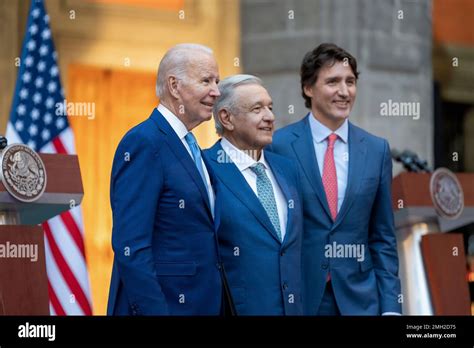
{"points": [[268, 115], [343, 90], [214, 90]]}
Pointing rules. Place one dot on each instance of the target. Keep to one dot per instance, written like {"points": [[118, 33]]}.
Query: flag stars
{"points": [[49, 102], [45, 134], [24, 93], [21, 109], [40, 88], [37, 98], [35, 114], [46, 34], [33, 129], [60, 123], [52, 86], [39, 82], [43, 50], [41, 66], [31, 45], [19, 125], [33, 29], [29, 61], [31, 143], [47, 118], [26, 77], [54, 70]]}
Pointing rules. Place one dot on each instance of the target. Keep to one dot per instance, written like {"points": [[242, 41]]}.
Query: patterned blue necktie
{"points": [[266, 196], [196, 151]]}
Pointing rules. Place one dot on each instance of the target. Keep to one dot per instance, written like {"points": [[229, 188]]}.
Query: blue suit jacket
{"points": [[166, 258], [264, 274], [372, 286]]}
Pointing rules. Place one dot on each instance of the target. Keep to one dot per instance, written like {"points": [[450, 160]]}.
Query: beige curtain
{"points": [[122, 99]]}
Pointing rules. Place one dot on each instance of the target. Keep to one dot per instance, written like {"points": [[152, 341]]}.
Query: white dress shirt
{"points": [[243, 163], [320, 133], [181, 131]]}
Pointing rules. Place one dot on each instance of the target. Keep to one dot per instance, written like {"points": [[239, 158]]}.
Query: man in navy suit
{"points": [[166, 259], [257, 195], [350, 261]]}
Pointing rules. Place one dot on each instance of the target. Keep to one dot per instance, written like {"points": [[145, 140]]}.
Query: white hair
{"points": [[227, 98], [174, 63]]}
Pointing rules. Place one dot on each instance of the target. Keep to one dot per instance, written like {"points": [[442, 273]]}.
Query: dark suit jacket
{"points": [[166, 258], [369, 287], [264, 274]]}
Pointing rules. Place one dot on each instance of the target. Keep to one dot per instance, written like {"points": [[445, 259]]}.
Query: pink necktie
{"points": [[330, 180], [330, 177]]}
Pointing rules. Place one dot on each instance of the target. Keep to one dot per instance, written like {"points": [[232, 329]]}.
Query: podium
{"points": [[23, 279], [432, 263]]}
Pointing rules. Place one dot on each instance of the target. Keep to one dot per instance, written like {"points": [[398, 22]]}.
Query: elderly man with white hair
{"points": [[261, 221], [166, 257]]}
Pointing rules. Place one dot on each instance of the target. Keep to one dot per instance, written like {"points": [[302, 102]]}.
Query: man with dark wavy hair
{"points": [[350, 261]]}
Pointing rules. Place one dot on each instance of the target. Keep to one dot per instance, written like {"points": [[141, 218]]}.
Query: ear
{"points": [[226, 119], [308, 90], [172, 83]]}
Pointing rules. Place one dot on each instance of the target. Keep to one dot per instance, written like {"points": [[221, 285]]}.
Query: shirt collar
{"points": [[320, 132], [242, 160], [175, 123]]}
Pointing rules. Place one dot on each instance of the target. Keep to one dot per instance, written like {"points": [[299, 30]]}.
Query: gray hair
{"points": [[174, 63], [227, 98]]}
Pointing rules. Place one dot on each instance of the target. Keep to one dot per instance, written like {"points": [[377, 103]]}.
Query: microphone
{"points": [[407, 160], [3, 142], [422, 164]]}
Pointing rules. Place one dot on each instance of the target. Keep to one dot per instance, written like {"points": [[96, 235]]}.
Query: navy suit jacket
{"points": [[166, 259], [368, 287], [264, 274]]}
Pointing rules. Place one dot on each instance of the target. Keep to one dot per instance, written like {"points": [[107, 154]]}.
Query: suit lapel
{"points": [[181, 153], [283, 183], [304, 151], [357, 154], [214, 183], [232, 178]]}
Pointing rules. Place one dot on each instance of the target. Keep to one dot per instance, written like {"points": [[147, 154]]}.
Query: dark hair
{"points": [[313, 61]]}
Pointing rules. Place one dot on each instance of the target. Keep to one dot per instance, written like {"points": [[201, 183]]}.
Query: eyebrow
{"points": [[260, 103], [338, 78]]}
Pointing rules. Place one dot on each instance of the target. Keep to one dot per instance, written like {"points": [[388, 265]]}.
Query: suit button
{"points": [[282, 253], [324, 266], [285, 286], [218, 265]]}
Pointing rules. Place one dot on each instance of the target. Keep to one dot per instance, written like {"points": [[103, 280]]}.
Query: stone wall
{"points": [[391, 40]]}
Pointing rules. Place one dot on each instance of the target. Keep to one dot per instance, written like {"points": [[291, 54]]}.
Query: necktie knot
{"points": [[190, 139], [332, 139], [196, 154], [258, 169]]}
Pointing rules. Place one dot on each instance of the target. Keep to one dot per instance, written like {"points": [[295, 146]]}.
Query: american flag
{"points": [[34, 121]]}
